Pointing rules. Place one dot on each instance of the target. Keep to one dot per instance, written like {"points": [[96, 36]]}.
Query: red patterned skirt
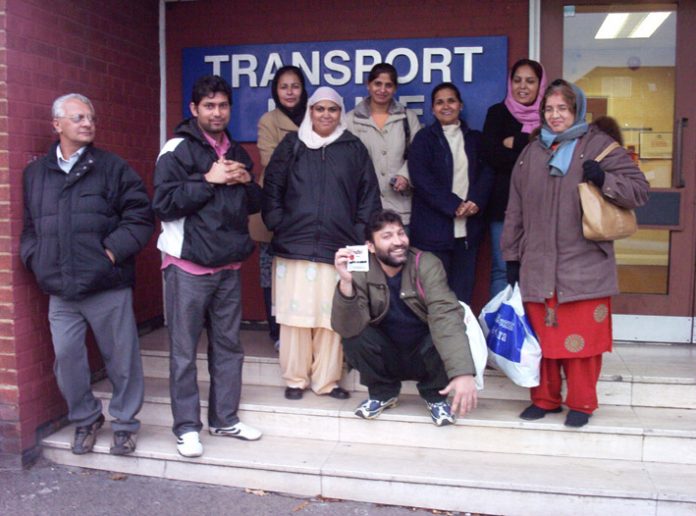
{"points": [[572, 330]]}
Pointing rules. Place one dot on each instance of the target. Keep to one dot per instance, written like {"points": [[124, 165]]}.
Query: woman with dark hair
{"points": [[290, 97], [505, 133], [319, 192], [452, 184], [387, 129], [566, 280]]}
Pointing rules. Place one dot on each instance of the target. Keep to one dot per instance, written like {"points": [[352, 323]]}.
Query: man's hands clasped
{"points": [[227, 172]]}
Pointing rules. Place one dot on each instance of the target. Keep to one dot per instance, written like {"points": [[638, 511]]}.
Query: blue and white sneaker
{"points": [[441, 412], [370, 409]]}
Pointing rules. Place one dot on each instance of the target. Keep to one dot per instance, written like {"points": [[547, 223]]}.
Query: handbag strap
{"points": [[419, 287], [605, 152]]}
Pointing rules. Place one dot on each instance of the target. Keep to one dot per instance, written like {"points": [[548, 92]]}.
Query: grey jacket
{"points": [[386, 148], [543, 222], [439, 308]]}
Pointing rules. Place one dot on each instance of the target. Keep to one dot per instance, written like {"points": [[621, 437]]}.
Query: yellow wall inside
{"points": [[640, 100]]}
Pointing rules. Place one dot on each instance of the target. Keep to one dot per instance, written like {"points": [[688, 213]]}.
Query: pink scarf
{"points": [[528, 116]]}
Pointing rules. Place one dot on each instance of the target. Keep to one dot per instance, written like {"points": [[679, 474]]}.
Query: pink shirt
{"points": [[185, 265]]}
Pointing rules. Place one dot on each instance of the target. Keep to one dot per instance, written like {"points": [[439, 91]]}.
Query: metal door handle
{"points": [[678, 175]]}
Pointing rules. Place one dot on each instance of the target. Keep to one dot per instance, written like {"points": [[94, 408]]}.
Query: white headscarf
{"points": [[307, 134]]}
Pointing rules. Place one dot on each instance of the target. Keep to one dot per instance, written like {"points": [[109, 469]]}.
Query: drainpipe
{"points": [[534, 29]]}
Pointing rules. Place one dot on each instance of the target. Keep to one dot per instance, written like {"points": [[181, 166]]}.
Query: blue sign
{"points": [[478, 66]]}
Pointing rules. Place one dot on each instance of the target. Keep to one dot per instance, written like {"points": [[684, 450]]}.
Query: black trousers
{"points": [[383, 364]]}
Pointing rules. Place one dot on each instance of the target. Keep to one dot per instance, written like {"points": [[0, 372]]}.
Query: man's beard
{"points": [[387, 259]]}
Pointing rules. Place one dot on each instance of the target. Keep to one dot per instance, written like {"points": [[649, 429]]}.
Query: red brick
{"points": [[8, 377], [6, 329], [8, 361], [6, 310], [9, 394], [9, 412]]}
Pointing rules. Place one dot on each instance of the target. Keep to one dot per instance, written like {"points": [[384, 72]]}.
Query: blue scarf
{"points": [[561, 157]]}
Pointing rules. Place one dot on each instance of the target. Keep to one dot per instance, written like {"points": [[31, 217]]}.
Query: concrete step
{"points": [[444, 479], [614, 432], [641, 375]]}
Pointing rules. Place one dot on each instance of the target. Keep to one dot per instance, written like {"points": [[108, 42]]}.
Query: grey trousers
{"points": [[110, 315], [193, 302]]}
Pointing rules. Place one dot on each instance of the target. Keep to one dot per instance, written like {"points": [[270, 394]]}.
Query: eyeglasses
{"points": [[78, 119], [562, 110]]}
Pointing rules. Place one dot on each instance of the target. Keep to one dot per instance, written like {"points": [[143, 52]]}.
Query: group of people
{"points": [[420, 199]]}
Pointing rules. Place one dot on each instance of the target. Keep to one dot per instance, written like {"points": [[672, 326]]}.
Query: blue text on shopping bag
{"points": [[507, 332]]}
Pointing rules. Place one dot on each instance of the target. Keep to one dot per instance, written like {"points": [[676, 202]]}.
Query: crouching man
{"points": [[400, 321]]}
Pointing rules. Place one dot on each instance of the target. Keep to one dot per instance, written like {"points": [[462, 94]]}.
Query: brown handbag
{"points": [[601, 218]]}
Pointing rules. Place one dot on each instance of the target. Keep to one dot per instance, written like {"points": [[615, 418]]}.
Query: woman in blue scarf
{"points": [[566, 280]]}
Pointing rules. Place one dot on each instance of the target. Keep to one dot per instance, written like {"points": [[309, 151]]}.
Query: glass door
{"points": [[634, 60]]}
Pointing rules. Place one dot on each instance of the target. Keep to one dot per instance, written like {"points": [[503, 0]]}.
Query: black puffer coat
{"points": [[318, 200], [70, 219], [201, 222]]}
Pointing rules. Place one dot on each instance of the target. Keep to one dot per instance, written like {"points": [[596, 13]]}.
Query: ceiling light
{"points": [[649, 25], [611, 26]]}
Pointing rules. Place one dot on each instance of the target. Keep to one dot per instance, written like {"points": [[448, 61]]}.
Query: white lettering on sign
{"points": [[408, 100], [274, 62], [412, 62], [311, 71], [468, 52], [340, 68], [331, 64], [362, 66], [443, 65], [216, 60], [239, 69]]}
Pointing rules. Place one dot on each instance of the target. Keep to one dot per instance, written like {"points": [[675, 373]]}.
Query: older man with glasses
{"points": [[86, 216]]}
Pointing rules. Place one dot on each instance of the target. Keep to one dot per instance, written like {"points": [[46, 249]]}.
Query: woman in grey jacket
{"points": [[387, 129], [566, 280]]}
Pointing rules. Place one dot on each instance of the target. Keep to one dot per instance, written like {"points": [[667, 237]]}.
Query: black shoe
{"points": [[577, 419], [339, 393], [85, 436], [124, 443], [294, 393], [532, 412]]}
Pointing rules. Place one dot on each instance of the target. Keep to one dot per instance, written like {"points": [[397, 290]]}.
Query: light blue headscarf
{"points": [[561, 157]]}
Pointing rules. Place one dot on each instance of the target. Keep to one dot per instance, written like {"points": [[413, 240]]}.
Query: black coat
{"points": [[499, 125], [214, 217], [318, 200], [431, 168], [70, 219]]}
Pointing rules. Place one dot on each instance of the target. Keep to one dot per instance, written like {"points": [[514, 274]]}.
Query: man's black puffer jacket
{"points": [[202, 222], [70, 219]]}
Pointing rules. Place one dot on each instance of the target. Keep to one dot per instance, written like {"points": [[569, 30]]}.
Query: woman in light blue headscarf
{"points": [[566, 280]]}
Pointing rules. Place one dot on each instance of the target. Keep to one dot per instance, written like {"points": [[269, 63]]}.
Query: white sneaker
{"points": [[240, 431], [189, 445]]}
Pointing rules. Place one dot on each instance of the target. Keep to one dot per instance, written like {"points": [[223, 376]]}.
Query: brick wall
{"points": [[109, 52], [193, 24]]}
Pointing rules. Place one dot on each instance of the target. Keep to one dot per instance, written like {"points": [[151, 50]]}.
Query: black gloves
{"points": [[591, 171], [513, 272]]}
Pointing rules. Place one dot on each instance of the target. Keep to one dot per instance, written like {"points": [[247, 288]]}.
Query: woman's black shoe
{"points": [[294, 393], [339, 393], [577, 419], [532, 412]]}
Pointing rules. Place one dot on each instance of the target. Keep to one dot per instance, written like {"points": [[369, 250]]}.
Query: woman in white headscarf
{"points": [[319, 191]]}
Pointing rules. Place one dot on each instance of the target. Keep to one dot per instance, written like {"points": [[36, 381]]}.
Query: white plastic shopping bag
{"points": [[477, 344], [513, 347]]}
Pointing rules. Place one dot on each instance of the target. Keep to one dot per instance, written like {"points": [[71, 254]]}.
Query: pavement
{"points": [[54, 490]]}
